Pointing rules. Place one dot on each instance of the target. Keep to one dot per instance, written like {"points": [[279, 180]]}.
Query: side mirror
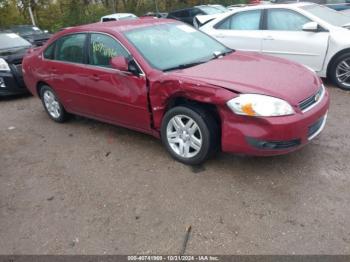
{"points": [[311, 27], [133, 68], [126, 65], [120, 63]]}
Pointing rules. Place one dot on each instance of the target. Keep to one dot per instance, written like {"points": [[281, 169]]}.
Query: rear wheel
{"points": [[340, 71], [52, 105], [189, 134]]}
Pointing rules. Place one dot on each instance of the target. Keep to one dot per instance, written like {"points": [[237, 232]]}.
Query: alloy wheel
{"points": [[51, 104], [184, 136], [343, 72]]}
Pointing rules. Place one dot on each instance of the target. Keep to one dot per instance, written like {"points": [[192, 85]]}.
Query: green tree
{"points": [[56, 14]]}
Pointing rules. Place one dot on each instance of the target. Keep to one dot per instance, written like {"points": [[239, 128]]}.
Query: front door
{"points": [[115, 96], [285, 38]]}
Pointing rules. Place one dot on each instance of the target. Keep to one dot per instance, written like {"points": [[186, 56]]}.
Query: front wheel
{"points": [[189, 134], [52, 105], [340, 71]]}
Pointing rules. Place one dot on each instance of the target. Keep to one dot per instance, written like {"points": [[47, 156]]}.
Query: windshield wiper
{"points": [[215, 55], [183, 66]]}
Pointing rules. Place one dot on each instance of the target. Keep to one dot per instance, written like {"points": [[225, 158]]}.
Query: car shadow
{"points": [[10, 98]]}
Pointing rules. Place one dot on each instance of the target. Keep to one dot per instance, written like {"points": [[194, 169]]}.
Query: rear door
{"points": [[285, 38], [64, 62], [240, 31]]}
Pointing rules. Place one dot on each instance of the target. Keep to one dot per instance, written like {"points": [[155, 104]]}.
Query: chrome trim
{"points": [[320, 129], [289, 53], [94, 32], [318, 101]]}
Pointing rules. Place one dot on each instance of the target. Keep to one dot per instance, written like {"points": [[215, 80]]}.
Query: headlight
{"points": [[259, 105], [4, 65]]}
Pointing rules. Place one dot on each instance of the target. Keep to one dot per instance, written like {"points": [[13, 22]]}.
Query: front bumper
{"points": [[11, 85], [266, 136]]}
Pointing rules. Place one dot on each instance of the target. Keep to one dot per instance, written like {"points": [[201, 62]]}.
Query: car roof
{"points": [[118, 15], [121, 25], [285, 5]]}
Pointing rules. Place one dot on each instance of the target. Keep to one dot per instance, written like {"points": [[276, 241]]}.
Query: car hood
{"points": [[37, 38], [244, 72], [14, 55]]}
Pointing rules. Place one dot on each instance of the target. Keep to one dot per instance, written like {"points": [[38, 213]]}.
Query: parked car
{"points": [[198, 98], [313, 35], [155, 14], [32, 34], [333, 4], [250, 3], [187, 15], [220, 7], [117, 17], [12, 50]]}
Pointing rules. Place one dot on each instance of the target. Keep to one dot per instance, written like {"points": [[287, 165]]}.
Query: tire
{"points": [[182, 129], [52, 106], [340, 70]]}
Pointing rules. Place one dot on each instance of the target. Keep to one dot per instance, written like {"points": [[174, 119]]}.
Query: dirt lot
{"points": [[90, 188]]}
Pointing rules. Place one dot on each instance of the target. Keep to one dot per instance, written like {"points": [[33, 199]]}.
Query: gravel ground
{"points": [[85, 187]]}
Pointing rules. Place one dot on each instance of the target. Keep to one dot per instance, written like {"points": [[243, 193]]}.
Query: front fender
{"points": [[165, 90]]}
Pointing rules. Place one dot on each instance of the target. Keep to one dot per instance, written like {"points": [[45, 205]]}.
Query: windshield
{"points": [[27, 30], [329, 15], [210, 10], [168, 46], [11, 40]]}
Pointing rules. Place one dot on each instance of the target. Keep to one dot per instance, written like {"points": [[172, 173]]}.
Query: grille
{"points": [[285, 144], [315, 127], [312, 100]]}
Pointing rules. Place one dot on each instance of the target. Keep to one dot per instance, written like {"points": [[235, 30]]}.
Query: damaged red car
{"points": [[166, 79]]}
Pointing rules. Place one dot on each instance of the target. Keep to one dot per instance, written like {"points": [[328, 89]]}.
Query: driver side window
{"points": [[103, 48], [285, 20]]}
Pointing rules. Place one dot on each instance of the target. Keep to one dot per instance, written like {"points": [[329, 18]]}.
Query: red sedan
{"points": [[166, 79]]}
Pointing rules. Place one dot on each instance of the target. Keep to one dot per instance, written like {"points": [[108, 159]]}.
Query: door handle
{"points": [[53, 70], [269, 37], [95, 77]]}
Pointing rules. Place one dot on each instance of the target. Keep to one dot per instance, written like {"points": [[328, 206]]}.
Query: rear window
{"points": [[12, 40], [108, 19]]}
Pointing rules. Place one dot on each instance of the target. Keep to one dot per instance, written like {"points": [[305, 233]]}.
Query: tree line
{"points": [[53, 15]]}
